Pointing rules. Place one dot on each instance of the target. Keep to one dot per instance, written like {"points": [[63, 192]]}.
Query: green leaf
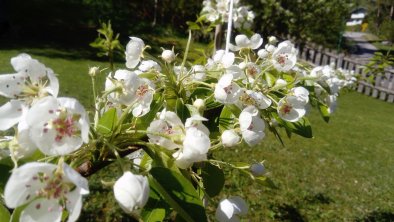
{"points": [[181, 110], [193, 26], [301, 127], [4, 213], [179, 193], [155, 209], [226, 119], [270, 79], [107, 122], [6, 165], [324, 111], [213, 179]]}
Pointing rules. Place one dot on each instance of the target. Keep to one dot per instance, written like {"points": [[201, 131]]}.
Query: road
{"points": [[363, 50]]}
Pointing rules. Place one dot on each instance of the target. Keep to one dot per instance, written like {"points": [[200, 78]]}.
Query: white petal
{"points": [[74, 204], [227, 59], [242, 41], [76, 179], [225, 211], [11, 113], [240, 206], [131, 191], [230, 138], [11, 85], [256, 41], [21, 186], [42, 210]]}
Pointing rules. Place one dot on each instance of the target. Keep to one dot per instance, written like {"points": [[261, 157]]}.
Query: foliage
{"points": [[378, 65], [320, 21]]}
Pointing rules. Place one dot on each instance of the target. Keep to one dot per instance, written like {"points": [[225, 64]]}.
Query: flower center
{"points": [[281, 59], [142, 90], [228, 89], [247, 99], [252, 71], [286, 108], [52, 187], [65, 125]]}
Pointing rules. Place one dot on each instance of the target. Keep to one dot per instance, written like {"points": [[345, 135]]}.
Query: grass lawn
{"points": [[345, 173]]}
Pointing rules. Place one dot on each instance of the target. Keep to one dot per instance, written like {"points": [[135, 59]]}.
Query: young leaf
{"points": [[107, 122], [179, 193]]}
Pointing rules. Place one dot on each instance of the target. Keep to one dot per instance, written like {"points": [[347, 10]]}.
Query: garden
{"points": [[171, 119]]}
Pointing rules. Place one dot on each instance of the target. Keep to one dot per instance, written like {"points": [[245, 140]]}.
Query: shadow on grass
{"points": [[286, 212], [319, 198], [377, 216]]}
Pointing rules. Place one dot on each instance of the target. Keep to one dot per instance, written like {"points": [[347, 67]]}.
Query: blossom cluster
{"points": [[216, 11], [178, 113]]}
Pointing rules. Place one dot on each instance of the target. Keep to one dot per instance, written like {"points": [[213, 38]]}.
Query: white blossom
{"points": [[242, 41], [134, 50], [252, 126], [58, 126], [131, 192], [230, 138], [227, 91], [230, 209], [47, 190], [284, 57]]}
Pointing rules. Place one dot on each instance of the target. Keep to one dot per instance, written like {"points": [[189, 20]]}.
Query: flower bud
{"points": [[272, 40], [131, 191], [230, 209], [200, 105], [230, 138], [168, 56], [93, 71], [257, 169], [280, 83], [262, 53]]}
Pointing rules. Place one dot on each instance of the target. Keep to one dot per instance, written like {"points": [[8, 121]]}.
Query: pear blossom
{"points": [[130, 90], [196, 144], [251, 98], [252, 126], [291, 108], [230, 209], [191, 139], [134, 49], [149, 65], [198, 72], [242, 41], [284, 57], [301, 94], [230, 138], [236, 71], [48, 190], [223, 58], [31, 82], [131, 192], [196, 121], [168, 124], [331, 101], [227, 91], [257, 169], [58, 126]]}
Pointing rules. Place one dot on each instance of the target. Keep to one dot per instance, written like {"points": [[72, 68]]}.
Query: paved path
{"points": [[363, 50]]}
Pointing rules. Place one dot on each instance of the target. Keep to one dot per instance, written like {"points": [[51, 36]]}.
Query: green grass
{"points": [[345, 173]]}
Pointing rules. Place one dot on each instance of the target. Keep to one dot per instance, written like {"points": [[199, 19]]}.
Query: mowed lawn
{"points": [[345, 173]]}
